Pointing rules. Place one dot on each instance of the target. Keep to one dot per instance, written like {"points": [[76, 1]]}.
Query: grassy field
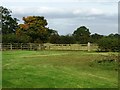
{"points": [[57, 69]]}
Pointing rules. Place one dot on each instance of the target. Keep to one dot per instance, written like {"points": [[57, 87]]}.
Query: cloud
{"points": [[98, 0], [51, 12], [95, 11], [42, 11], [60, 0]]}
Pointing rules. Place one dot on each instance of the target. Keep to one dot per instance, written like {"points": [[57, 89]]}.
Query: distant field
{"points": [[57, 69]]}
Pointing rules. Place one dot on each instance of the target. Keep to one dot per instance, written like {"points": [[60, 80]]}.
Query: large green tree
{"points": [[9, 24], [82, 35]]}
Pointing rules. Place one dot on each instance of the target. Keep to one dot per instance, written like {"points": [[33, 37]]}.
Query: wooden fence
{"points": [[48, 46]]}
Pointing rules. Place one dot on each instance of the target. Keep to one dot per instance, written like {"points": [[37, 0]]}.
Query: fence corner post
{"points": [[88, 46]]}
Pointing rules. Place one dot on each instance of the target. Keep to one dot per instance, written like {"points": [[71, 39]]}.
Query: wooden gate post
{"points": [[88, 46]]}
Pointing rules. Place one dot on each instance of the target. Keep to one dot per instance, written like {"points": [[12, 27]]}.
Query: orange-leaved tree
{"points": [[34, 28]]}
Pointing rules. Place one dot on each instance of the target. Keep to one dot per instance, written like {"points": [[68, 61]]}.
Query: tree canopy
{"points": [[9, 24], [82, 34], [35, 28]]}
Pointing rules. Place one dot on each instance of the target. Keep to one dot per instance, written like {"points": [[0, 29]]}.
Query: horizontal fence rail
{"points": [[47, 46]]}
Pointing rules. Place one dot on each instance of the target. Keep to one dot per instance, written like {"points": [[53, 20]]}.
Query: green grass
{"points": [[57, 69]]}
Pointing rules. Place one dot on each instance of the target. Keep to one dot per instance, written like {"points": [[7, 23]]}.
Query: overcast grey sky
{"points": [[65, 16]]}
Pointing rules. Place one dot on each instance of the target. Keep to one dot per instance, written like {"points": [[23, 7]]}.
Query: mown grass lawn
{"points": [[57, 69]]}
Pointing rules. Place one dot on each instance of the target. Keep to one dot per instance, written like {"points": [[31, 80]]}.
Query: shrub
{"points": [[108, 44]]}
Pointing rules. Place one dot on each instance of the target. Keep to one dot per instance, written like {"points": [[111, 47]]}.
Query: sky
{"points": [[65, 16]]}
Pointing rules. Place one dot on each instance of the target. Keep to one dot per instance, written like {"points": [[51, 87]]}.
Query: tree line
{"points": [[35, 30]]}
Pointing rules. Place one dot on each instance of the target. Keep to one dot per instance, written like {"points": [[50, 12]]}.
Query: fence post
{"points": [[30, 46], [88, 46], [21, 46], [49, 47], [39, 47], [10, 46]]}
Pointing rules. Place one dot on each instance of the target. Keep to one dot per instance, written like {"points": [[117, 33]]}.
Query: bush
{"points": [[108, 44], [12, 38], [67, 40], [9, 38], [56, 39]]}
